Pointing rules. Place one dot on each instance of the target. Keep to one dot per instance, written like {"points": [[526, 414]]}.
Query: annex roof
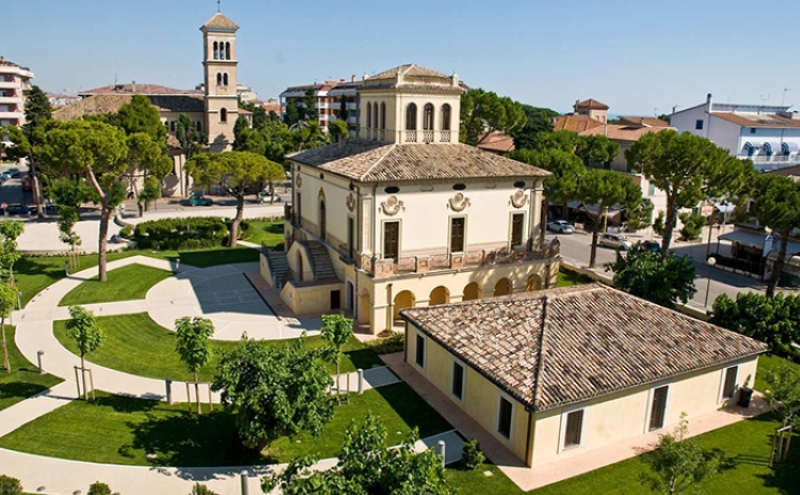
{"points": [[618, 132], [109, 103], [561, 346], [758, 119], [376, 161], [138, 89], [575, 123], [496, 142], [591, 104], [644, 121]]}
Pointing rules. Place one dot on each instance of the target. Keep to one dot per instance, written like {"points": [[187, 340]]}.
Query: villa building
{"points": [[407, 216], [557, 373], [15, 82]]}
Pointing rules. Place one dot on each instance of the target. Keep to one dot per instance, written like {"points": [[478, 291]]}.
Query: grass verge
{"points": [[126, 283], [269, 233], [24, 379], [136, 344]]}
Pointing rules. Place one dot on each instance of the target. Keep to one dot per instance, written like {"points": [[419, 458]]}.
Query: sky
{"points": [[639, 57]]}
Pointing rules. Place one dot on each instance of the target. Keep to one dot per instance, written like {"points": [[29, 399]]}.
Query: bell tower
{"points": [[219, 64]]}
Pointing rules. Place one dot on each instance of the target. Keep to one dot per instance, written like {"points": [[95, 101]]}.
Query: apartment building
{"points": [[15, 82], [328, 100]]}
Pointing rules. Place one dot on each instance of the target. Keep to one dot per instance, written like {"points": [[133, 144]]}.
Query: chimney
{"points": [[133, 87], [709, 103], [455, 79], [366, 76], [353, 79], [575, 106]]}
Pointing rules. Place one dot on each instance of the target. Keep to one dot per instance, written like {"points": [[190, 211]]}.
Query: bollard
{"points": [[441, 451], [177, 264], [169, 390], [360, 381], [19, 299], [245, 488], [39, 355], [66, 268]]}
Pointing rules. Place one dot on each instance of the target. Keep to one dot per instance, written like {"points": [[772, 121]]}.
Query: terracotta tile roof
{"points": [[411, 76], [591, 104], [408, 70], [617, 132], [375, 161], [140, 89], [574, 123], [102, 104], [645, 121], [561, 346], [220, 21], [497, 142], [758, 120]]}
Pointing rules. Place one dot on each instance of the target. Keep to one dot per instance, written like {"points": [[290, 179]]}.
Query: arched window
{"points": [[411, 117], [225, 79], [223, 116], [227, 50], [383, 115], [375, 115], [369, 115], [785, 149], [445, 117], [216, 51], [219, 78], [427, 119]]}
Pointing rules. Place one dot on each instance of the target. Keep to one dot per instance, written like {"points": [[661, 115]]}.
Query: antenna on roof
{"points": [[218, 7], [783, 98]]}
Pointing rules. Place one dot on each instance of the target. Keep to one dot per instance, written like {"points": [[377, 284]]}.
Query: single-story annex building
{"points": [[557, 372]]}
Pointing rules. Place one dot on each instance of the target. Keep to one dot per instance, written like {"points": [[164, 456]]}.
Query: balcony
{"points": [[449, 261], [773, 162], [426, 136], [12, 115], [10, 100], [8, 84]]}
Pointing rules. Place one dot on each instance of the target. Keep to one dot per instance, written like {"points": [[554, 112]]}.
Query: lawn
{"points": [[136, 344], [568, 279], [127, 283], [269, 233], [35, 273], [25, 380], [123, 430], [768, 362]]}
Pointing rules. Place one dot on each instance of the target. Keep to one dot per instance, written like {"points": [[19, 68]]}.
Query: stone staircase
{"points": [[278, 267], [320, 259]]}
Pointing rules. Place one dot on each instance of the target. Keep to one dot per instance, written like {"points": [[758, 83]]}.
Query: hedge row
{"points": [[182, 233]]}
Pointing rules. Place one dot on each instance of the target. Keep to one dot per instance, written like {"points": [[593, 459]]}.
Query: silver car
{"points": [[615, 241], [560, 226]]}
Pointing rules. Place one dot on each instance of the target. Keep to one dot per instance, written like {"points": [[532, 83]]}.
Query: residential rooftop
{"points": [[556, 347], [623, 132], [138, 89]]}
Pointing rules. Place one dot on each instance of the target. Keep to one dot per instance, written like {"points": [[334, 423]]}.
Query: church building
{"points": [[406, 215]]}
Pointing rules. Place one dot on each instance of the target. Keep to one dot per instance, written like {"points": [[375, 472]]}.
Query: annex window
{"points": [[729, 387], [419, 356], [517, 221], [752, 130], [172, 126], [383, 115], [504, 418], [427, 118], [391, 240], [698, 124], [458, 381], [369, 115], [375, 115], [457, 234], [574, 429], [445, 117], [658, 409], [411, 117]]}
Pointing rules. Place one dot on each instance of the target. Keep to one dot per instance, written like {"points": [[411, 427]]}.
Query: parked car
{"points": [[13, 172], [265, 196], [4, 177], [561, 226], [18, 209], [652, 246], [615, 241], [197, 199]]}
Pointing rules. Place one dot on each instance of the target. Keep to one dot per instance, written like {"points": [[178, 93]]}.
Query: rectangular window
{"points": [[699, 124], [299, 210], [574, 429], [659, 408], [391, 240], [651, 189], [504, 418], [172, 126], [752, 130], [420, 354], [458, 381], [457, 235], [517, 220], [729, 388]]}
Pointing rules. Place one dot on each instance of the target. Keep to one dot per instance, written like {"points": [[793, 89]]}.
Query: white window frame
{"points": [[399, 237], [563, 427], [450, 234], [463, 380], [511, 227], [720, 398], [420, 335], [649, 410], [511, 401]]}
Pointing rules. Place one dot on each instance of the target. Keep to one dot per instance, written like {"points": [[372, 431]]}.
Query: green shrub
{"points": [[692, 226], [126, 232], [10, 486], [199, 489], [182, 233], [472, 455], [99, 488], [388, 345], [658, 223]]}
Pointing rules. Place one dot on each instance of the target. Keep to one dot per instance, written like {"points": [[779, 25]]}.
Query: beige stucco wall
{"points": [[481, 397], [311, 300], [623, 415]]}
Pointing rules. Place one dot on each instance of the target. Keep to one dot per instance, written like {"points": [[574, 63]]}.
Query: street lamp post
{"points": [[711, 262]]}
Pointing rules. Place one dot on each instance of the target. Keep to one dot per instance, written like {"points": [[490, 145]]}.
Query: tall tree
{"points": [[82, 327], [146, 160], [140, 115], [567, 170], [240, 125], [260, 117], [678, 462], [8, 298], [566, 141], [778, 207], [483, 112], [292, 115], [99, 152], [366, 466], [337, 330], [538, 120], [688, 169], [191, 140], [308, 135], [192, 346], [783, 392], [308, 111], [338, 130], [646, 274], [38, 113], [605, 189], [775, 321], [236, 172], [343, 111], [251, 140], [275, 392], [596, 149], [10, 230]]}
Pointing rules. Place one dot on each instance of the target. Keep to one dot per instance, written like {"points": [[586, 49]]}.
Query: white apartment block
{"points": [[328, 100], [767, 135], [15, 82]]}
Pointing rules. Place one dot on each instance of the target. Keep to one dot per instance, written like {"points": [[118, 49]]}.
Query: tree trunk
{"points": [[272, 188], [83, 378], [261, 445], [593, 254], [141, 209], [778, 267], [565, 210], [38, 200], [105, 218], [669, 226], [238, 219], [197, 394], [6, 361]]}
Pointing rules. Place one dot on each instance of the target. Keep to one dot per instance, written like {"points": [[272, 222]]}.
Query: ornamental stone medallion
{"points": [[392, 206], [351, 203], [458, 202], [519, 199], [299, 181]]}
